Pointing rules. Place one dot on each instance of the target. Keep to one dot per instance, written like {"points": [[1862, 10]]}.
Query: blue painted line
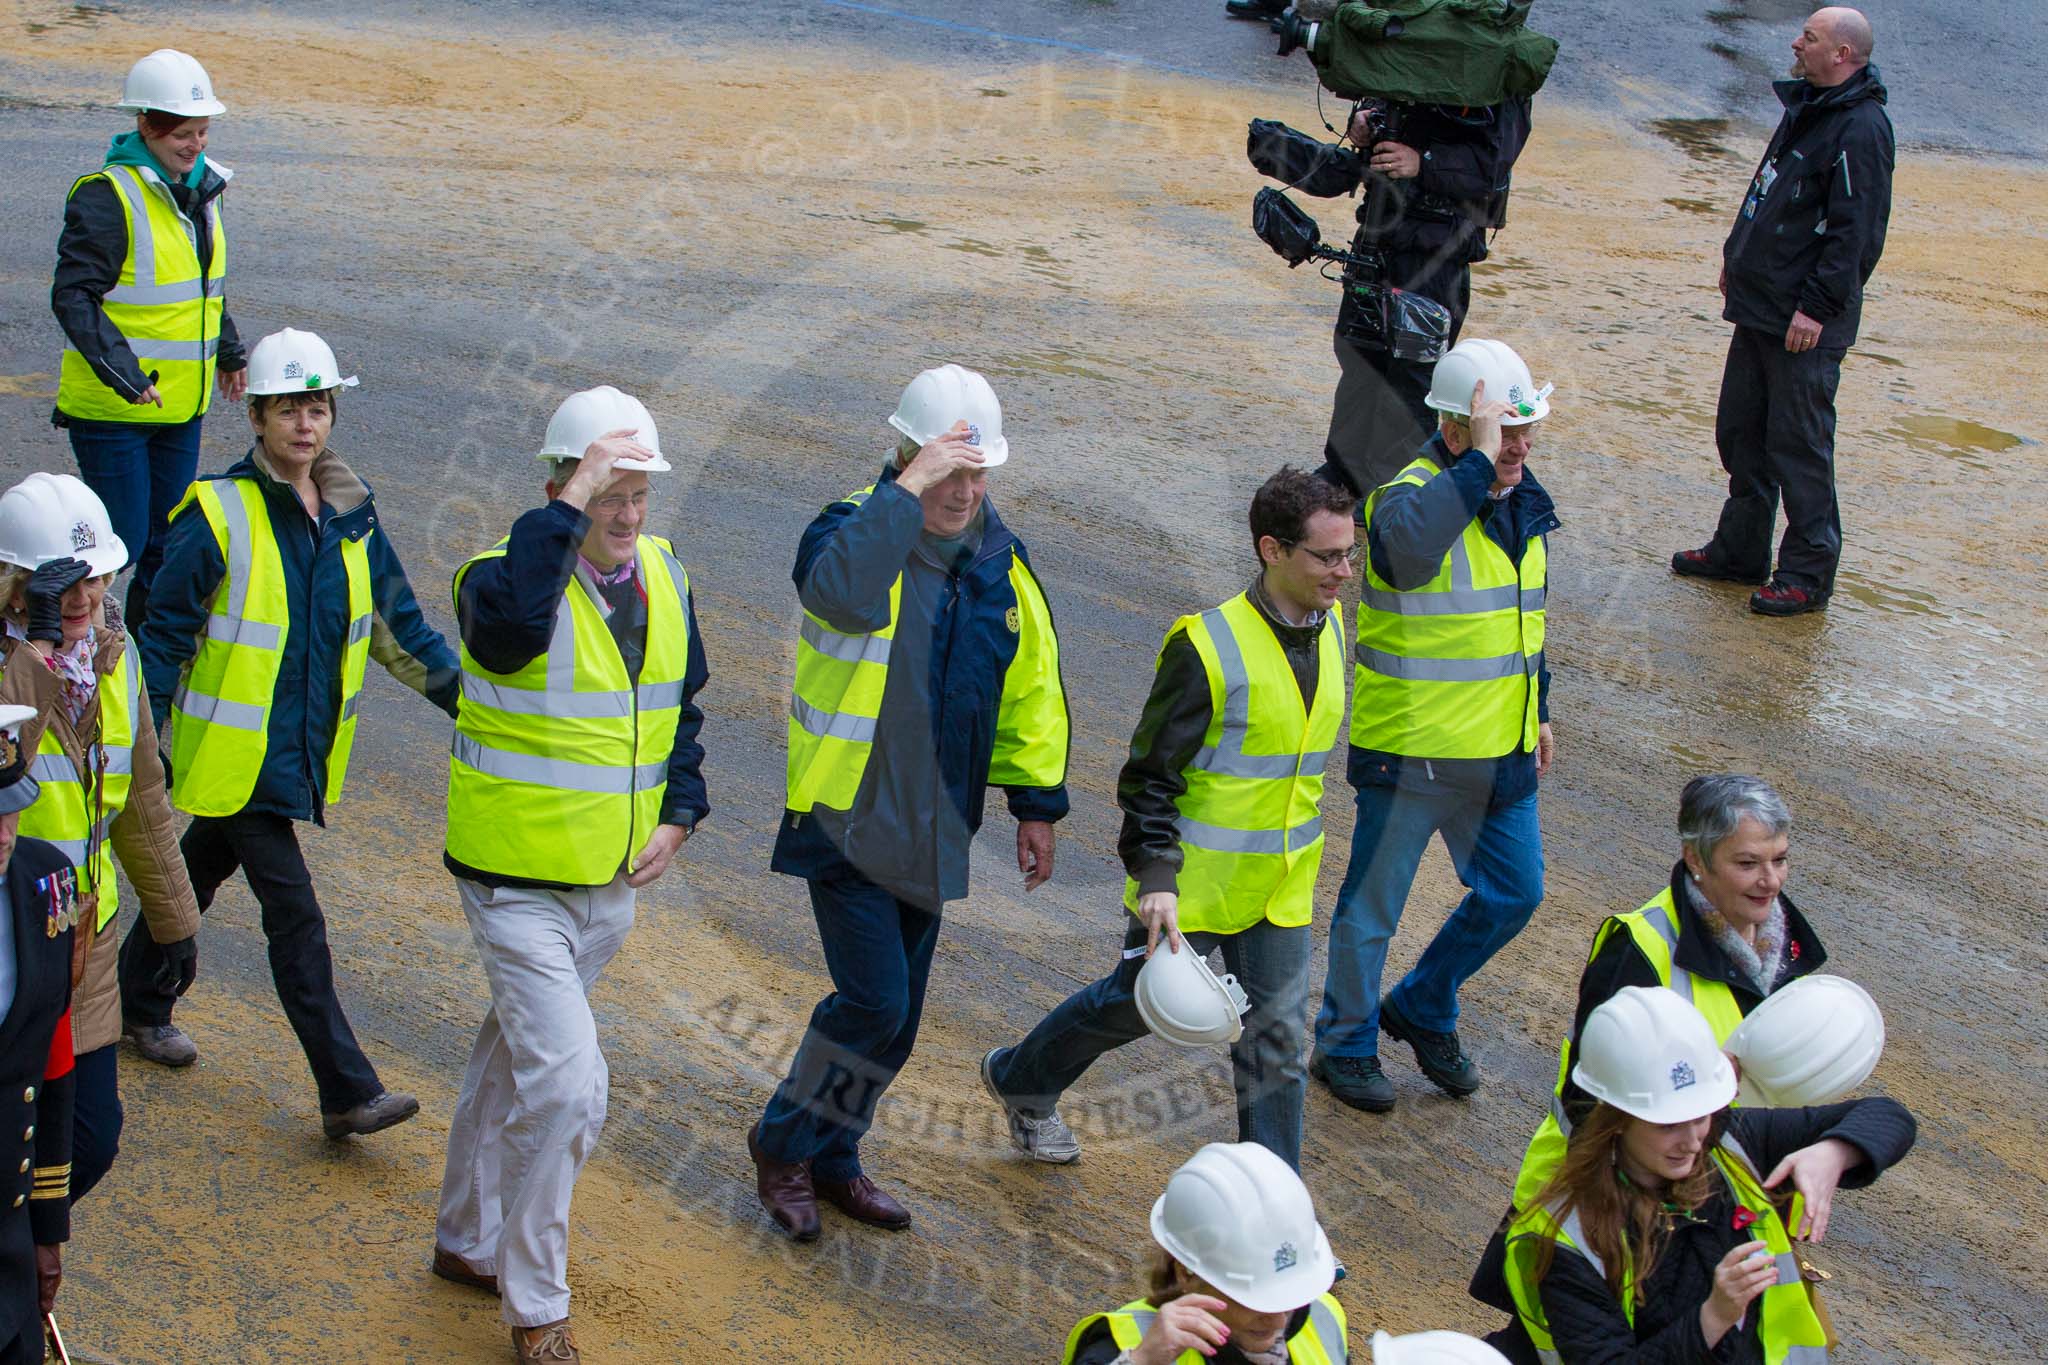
{"points": [[1059, 43]]}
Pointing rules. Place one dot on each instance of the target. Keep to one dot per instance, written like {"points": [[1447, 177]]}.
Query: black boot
{"points": [[1261, 10]]}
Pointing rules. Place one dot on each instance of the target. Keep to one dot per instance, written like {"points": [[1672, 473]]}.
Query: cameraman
{"points": [[1436, 181]]}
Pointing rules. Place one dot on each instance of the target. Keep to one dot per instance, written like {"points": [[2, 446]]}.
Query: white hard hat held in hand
{"points": [[292, 361], [1433, 1348], [1650, 1054], [1814, 1042], [55, 516], [1239, 1217], [168, 81], [937, 399], [586, 416], [1507, 380], [1185, 1003]]}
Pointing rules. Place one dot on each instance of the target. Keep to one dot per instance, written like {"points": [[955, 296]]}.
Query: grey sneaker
{"points": [[164, 1044], [1047, 1139], [371, 1116]]}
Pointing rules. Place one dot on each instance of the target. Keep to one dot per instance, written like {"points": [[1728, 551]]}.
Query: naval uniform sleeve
{"points": [[49, 1201], [686, 802]]}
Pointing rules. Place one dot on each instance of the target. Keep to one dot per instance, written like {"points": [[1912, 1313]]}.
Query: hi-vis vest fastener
{"points": [[75, 813]]}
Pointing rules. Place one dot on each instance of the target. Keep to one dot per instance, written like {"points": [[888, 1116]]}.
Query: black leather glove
{"points": [[45, 595], [180, 967]]}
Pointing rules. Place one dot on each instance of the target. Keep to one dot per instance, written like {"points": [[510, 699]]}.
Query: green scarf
{"points": [[128, 149]]}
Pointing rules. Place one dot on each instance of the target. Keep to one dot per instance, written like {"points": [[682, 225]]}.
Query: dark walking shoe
{"points": [[1779, 598], [455, 1270], [785, 1190], [1263, 10], [164, 1044], [371, 1116], [1438, 1054], [1701, 564], [1356, 1081], [864, 1202]]}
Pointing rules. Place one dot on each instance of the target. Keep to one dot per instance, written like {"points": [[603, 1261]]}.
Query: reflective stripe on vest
{"points": [[1789, 1330], [75, 814], [1654, 930], [166, 312], [220, 728], [1450, 669], [835, 702], [1322, 1340], [557, 772], [1250, 821]]}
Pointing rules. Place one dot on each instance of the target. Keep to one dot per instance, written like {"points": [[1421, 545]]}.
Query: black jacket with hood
{"points": [[1812, 225]]}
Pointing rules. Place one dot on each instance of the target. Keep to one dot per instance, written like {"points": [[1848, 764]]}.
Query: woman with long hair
{"points": [[1668, 1231]]}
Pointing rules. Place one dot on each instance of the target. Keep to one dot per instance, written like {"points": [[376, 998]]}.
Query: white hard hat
{"points": [[1649, 1053], [1507, 380], [1433, 1348], [1239, 1217], [1184, 1002], [292, 361], [586, 416], [55, 516], [936, 399], [1814, 1042], [170, 82]]}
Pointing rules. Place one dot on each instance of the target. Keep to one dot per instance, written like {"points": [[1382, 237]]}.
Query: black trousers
{"points": [[96, 1119], [1775, 427], [266, 849], [1378, 418], [27, 1345]]}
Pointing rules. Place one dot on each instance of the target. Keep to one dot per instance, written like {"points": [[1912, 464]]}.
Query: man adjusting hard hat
{"points": [[927, 669], [574, 779], [1450, 726], [1222, 837]]}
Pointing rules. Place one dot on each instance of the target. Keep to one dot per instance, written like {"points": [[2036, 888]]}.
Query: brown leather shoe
{"points": [[553, 1344], [861, 1200], [454, 1269], [785, 1190]]}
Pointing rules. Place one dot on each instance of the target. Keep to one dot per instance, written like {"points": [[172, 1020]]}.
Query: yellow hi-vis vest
{"points": [[220, 714], [1321, 1341], [1790, 1331], [168, 314], [1251, 824], [1450, 669], [74, 813], [557, 771], [837, 700], [1655, 931]]}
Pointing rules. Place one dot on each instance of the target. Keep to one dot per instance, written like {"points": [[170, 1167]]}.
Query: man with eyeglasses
{"points": [[1450, 727], [574, 779], [1222, 832]]}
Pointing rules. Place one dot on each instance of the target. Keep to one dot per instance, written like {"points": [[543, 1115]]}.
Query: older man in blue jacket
{"points": [[927, 669]]}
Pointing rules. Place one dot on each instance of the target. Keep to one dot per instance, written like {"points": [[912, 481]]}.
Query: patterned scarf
{"points": [[1763, 962], [73, 666]]}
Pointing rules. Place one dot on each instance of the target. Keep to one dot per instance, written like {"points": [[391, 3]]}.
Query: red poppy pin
{"points": [[1742, 1218], [1792, 950]]}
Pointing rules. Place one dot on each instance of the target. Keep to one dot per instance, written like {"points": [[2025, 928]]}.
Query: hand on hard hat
{"points": [[1738, 1279], [44, 596], [938, 458], [1816, 1172], [1160, 910], [1189, 1323], [600, 466], [1484, 423]]}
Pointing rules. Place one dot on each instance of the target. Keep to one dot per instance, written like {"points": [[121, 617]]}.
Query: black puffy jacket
{"points": [[1812, 224]]}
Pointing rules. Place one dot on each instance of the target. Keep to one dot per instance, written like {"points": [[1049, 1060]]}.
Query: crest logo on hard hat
{"points": [[974, 433], [1681, 1076], [83, 538], [293, 370], [1283, 1259], [1515, 394], [197, 93]]}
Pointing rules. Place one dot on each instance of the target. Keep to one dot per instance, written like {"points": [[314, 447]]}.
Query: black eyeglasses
{"points": [[1329, 559]]}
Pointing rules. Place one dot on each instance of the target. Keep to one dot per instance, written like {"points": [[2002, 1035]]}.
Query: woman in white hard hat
{"points": [[1667, 1233], [67, 654], [1722, 932], [1242, 1276], [140, 291], [279, 585]]}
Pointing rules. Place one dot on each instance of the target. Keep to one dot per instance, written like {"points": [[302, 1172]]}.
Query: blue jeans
{"points": [[1499, 857], [879, 952], [140, 471], [1269, 961]]}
